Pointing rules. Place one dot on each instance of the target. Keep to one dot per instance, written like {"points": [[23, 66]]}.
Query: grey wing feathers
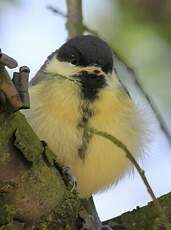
{"points": [[40, 74], [121, 83], [39, 77]]}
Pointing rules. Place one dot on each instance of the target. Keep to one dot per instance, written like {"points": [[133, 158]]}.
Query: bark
{"points": [[30, 185]]}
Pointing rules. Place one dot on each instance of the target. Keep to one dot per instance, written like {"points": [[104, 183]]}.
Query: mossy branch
{"points": [[142, 218]]}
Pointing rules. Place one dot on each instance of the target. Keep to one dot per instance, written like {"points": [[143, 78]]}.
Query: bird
{"points": [[77, 87]]}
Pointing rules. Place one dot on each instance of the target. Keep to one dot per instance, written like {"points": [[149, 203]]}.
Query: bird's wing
{"points": [[40, 75], [115, 71]]}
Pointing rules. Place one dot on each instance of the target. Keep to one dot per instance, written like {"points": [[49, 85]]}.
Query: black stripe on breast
{"points": [[86, 115], [91, 83]]}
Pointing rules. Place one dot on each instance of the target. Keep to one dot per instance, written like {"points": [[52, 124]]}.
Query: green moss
{"points": [[6, 186], [12, 226], [25, 139], [38, 188], [49, 155], [7, 213], [39, 191], [24, 142], [65, 214], [145, 218], [4, 155]]}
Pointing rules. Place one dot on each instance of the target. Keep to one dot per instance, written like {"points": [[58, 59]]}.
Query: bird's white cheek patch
{"points": [[55, 66]]}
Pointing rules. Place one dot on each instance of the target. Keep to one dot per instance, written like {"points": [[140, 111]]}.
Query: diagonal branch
{"points": [[141, 172], [149, 99], [57, 11], [74, 17]]}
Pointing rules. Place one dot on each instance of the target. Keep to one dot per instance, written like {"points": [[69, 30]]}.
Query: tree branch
{"points": [[57, 11], [74, 19]]}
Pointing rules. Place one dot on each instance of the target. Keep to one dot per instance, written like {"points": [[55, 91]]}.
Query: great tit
{"points": [[77, 87]]}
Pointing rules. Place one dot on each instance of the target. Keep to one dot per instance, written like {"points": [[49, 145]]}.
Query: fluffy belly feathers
{"points": [[55, 119]]}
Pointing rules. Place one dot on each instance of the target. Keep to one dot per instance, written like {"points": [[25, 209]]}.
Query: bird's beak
{"points": [[90, 70]]}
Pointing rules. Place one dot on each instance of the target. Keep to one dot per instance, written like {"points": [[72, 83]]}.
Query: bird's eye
{"points": [[74, 60]]}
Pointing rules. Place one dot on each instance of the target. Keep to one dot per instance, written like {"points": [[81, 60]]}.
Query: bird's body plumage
{"points": [[59, 114]]}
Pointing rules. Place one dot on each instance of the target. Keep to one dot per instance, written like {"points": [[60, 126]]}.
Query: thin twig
{"points": [[149, 99], [141, 172], [91, 31], [57, 11]]}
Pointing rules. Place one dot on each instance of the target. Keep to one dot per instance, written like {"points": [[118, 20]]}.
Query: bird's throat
{"points": [[91, 83]]}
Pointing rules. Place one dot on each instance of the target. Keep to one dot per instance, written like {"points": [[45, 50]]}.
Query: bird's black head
{"points": [[87, 50]]}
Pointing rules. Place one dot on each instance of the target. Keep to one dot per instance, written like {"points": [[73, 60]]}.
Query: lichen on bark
{"points": [[28, 183], [32, 190]]}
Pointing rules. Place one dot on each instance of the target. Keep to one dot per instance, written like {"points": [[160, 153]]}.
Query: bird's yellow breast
{"points": [[55, 116]]}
